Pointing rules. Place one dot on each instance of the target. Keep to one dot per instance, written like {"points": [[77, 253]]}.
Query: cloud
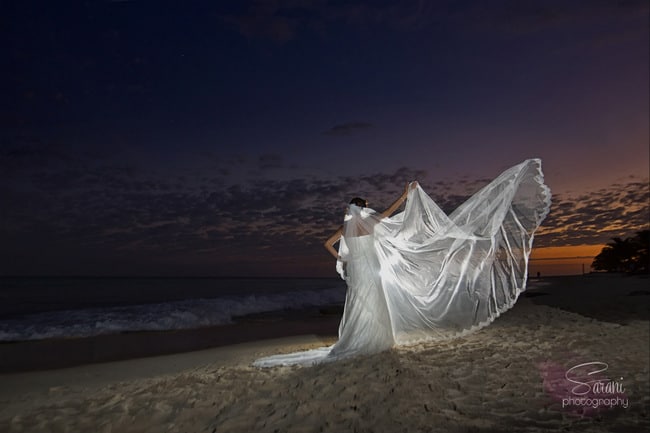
{"points": [[270, 161], [348, 128], [111, 212], [519, 18], [281, 21], [264, 26], [62, 215], [598, 216], [26, 152]]}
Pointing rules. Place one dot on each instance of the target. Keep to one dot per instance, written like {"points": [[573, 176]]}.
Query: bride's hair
{"points": [[359, 202]]}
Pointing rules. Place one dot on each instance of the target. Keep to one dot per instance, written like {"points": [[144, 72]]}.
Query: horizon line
{"points": [[561, 258]]}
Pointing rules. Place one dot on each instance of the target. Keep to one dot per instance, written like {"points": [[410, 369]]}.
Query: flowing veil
{"points": [[422, 275]]}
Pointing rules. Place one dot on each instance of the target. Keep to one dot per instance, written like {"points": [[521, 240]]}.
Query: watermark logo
{"points": [[583, 389]]}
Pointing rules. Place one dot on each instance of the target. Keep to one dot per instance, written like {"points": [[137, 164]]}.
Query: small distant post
{"points": [[583, 269]]}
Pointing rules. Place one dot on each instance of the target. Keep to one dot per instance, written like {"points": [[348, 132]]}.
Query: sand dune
{"points": [[497, 379]]}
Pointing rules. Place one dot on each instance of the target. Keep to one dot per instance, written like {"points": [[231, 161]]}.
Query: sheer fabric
{"points": [[422, 275]]}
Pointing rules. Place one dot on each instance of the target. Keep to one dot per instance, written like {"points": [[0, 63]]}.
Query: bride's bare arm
{"points": [[329, 243], [393, 207]]}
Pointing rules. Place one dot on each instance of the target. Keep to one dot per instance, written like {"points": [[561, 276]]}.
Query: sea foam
{"points": [[187, 314]]}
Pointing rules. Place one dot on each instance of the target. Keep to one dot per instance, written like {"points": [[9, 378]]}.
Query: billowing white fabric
{"points": [[422, 275]]}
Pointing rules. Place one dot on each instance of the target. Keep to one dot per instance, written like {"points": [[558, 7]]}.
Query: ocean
{"points": [[61, 307]]}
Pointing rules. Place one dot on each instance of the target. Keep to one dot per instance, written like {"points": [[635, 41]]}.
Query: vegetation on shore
{"points": [[625, 255]]}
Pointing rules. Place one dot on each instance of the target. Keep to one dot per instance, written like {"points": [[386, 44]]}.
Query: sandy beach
{"points": [[509, 376]]}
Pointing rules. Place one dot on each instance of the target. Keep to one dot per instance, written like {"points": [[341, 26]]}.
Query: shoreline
{"points": [[25, 356], [501, 378], [145, 368]]}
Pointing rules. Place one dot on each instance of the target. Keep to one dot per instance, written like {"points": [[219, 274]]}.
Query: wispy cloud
{"points": [[263, 23], [520, 18], [281, 21], [284, 20], [348, 128], [270, 161]]}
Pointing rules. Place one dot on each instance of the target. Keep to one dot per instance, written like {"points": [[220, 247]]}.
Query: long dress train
{"points": [[422, 275]]}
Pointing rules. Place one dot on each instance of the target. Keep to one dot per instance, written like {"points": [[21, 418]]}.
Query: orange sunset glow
{"points": [[566, 260]]}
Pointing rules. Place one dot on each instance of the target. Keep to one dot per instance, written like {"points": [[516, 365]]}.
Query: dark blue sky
{"points": [[212, 138]]}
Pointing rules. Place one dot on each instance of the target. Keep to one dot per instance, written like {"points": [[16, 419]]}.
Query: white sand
{"points": [[491, 380]]}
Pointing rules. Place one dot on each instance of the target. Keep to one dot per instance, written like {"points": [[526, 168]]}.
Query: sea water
{"points": [[58, 307]]}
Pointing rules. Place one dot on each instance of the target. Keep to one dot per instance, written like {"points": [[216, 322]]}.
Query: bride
{"points": [[421, 275]]}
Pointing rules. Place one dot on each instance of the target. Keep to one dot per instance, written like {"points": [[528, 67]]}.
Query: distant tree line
{"points": [[625, 255]]}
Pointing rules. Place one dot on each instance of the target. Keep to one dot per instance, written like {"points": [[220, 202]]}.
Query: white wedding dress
{"points": [[422, 275]]}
